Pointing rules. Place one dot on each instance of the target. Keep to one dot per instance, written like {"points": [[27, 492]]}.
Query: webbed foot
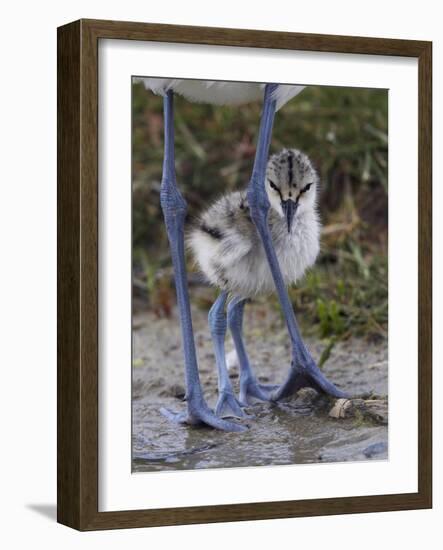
{"points": [[250, 388], [306, 377], [199, 413], [229, 405]]}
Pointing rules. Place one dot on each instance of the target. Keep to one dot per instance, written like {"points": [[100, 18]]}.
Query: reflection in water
{"points": [[279, 434]]}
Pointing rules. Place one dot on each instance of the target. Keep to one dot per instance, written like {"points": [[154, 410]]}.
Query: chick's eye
{"points": [[273, 186], [306, 187]]}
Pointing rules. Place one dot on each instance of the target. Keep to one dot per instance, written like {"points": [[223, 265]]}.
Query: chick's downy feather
{"points": [[228, 250]]}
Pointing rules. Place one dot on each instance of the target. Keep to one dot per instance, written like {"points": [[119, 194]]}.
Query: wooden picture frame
{"points": [[77, 458]]}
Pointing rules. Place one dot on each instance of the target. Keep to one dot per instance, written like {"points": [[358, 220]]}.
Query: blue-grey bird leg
{"points": [[303, 371], [174, 211], [249, 386], [227, 404]]}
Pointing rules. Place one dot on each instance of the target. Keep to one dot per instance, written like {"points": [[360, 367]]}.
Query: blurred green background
{"points": [[345, 133]]}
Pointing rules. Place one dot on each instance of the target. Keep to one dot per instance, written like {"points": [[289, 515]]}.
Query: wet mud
{"points": [[306, 428]]}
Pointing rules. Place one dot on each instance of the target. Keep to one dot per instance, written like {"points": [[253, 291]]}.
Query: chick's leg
{"points": [[174, 211], [249, 387], [227, 404], [303, 371]]}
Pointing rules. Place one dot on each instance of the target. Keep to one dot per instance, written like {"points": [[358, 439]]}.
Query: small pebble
{"points": [[375, 449]]}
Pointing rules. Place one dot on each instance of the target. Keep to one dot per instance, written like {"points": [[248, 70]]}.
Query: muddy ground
{"points": [[299, 430]]}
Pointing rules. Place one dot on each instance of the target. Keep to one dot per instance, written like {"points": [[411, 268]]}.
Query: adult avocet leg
{"points": [[249, 387], [303, 371], [174, 211], [227, 404]]}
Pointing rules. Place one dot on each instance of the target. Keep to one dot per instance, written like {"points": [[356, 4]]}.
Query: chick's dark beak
{"points": [[289, 209]]}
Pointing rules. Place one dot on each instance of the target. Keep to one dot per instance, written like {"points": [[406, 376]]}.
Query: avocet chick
{"points": [[225, 242], [229, 252]]}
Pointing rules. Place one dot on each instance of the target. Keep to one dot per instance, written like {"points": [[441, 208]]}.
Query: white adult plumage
{"points": [[220, 93]]}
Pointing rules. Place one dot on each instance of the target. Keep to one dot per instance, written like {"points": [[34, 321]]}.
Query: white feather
{"points": [[219, 93]]}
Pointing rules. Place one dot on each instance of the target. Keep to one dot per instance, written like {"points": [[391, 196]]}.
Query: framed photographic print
{"points": [[244, 275]]}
